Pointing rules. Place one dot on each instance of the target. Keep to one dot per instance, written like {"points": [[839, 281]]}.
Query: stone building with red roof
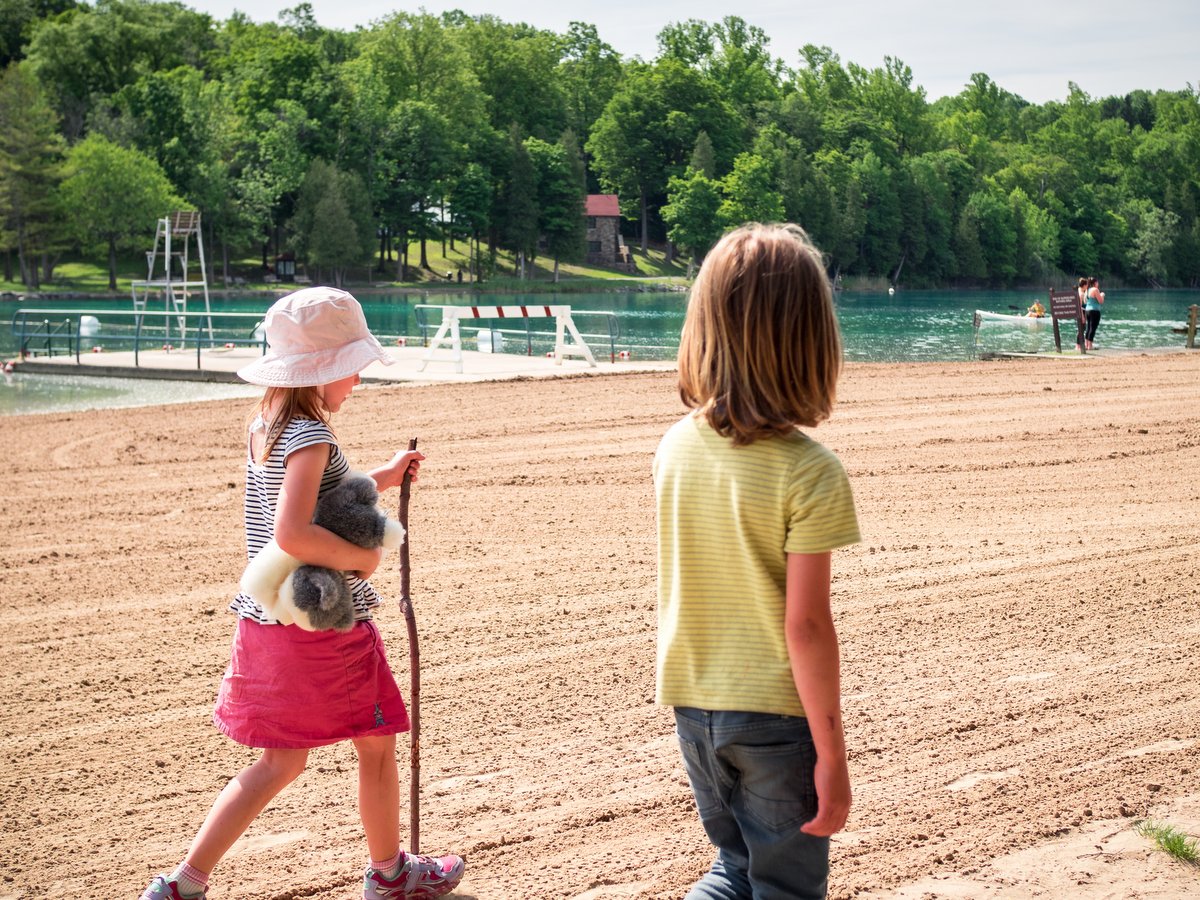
{"points": [[605, 246]]}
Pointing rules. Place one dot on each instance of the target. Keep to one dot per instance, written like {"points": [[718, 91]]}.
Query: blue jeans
{"points": [[752, 777]]}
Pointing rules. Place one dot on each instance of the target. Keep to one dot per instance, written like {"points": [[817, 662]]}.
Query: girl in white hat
{"points": [[286, 689]]}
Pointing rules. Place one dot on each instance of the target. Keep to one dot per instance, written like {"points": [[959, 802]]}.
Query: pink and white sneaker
{"points": [[163, 888], [420, 877]]}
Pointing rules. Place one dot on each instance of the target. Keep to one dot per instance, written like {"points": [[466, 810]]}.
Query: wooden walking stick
{"points": [[414, 672]]}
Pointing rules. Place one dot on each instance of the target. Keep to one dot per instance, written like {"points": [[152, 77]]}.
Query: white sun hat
{"points": [[315, 336]]}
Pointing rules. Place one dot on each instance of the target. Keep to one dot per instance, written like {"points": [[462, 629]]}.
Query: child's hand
{"points": [[365, 573], [833, 798], [391, 474]]}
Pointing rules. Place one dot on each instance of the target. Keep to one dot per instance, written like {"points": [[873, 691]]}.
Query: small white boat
{"points": [[1030, 323]]}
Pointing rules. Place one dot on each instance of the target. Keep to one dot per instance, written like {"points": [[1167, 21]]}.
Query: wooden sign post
{"points": [[1065, 305]]}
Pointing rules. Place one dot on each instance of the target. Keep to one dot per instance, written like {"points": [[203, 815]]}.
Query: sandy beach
{"points": [[1019, 628]]}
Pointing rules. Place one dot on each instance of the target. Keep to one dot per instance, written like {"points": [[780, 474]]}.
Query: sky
{"points": [[1031, 48]]}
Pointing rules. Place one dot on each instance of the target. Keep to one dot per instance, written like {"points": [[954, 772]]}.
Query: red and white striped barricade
{"points": [[448, 334]]}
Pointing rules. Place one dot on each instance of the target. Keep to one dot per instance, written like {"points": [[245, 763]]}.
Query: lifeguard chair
{"points": [[168, 270]]}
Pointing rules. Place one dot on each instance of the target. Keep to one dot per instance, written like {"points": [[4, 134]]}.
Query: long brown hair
{"points": [[279, 405], [760, 351]]}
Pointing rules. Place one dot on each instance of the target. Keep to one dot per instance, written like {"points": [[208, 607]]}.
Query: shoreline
{"points": [[644, 285]]}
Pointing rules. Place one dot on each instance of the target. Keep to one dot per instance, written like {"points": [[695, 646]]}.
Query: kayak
{"points": [[1031, 323]]}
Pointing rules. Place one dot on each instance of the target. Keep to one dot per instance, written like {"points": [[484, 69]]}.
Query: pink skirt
{"points": [[290, 688]]}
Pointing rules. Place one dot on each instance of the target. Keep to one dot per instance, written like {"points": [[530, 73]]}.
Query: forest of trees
{"points": [[348, 147]]}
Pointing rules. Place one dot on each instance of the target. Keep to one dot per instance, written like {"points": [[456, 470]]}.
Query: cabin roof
{"points": [[603, 205]]}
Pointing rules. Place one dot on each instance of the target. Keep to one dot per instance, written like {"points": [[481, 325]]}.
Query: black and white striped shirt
{"points": [[262, 495]]}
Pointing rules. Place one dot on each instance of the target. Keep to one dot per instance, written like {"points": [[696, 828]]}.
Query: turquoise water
{"points": [[911, 326], [20, 394]]}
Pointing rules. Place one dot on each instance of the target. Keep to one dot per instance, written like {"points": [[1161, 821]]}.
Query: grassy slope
{"points": [[89, 277]]}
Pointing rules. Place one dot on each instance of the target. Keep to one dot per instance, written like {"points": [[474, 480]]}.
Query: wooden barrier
{"points": [[1065, 305], [448, 332], [1191, 326]]}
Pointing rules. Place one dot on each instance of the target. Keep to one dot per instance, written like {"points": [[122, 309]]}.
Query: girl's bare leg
{"points": [[240, 802], [379, 794]]}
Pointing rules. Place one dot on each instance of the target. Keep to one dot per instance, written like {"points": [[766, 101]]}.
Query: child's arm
{"points": [[391, 474], [295, 532], [816, 667]]}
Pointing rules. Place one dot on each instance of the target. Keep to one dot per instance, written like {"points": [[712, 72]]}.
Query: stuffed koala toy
{"points": [[313, 597]]}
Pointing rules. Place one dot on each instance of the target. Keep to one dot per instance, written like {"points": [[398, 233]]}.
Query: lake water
{"points": [[911, 326]]}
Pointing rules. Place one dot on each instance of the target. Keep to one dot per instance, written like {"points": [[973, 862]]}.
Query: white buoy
{"points": [[891, 292], [489, 341], [88, 325]]}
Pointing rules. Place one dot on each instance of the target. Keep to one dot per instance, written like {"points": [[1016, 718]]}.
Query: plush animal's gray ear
{"points": [[362, 488], [322, 597]]}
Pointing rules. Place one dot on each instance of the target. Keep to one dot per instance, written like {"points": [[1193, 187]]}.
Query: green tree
{"points": [[560, 200], [417, 155], [987, 239], [968, 248], [175, 117], [999, 111], [749, 194], [854, 109], [113, 196], [896, 109], [649, 129], [418, 58], [789, 166], [1184, 260], [413, 75], [1038, 245], [1072, 134], [879, 239], [519, 212], [965, 131], [733, 55], [691, 214], [31, 153], [333, 227], [17, 18], [590, 72], [516, 67], [1157, 230], [704, 158], [335, 245], [470, 196], [212, 186], [89, 53], [268, 67], [928, 210], [837, 191], [268, 168]]}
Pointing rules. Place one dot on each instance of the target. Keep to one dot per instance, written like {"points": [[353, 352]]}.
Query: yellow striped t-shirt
{"points": [[727, 518]]}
